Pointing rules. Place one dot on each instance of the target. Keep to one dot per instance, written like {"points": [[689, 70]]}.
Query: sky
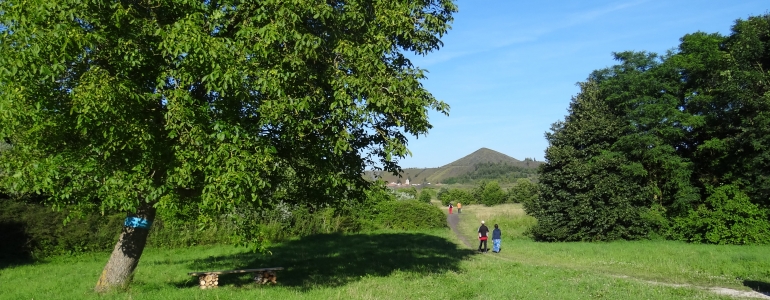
{"points": [[509, 68]]}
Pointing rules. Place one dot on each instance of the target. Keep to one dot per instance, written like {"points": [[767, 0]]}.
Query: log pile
{"points": [[264, 277], [208, 281]]}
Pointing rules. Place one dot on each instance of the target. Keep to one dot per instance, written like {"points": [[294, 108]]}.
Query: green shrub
{"points": [[410, 190], [524, 191], [408, 215], [727, 217], [492, 194], [34, 230], [426, 196], [456, 195]]}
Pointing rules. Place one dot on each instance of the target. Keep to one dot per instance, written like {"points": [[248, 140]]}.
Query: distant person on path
{"points": [[483, 230], [459, 207], [496, 238], [450, 208]]}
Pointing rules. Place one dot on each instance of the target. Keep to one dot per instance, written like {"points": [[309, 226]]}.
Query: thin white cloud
{"points": [[479, 43]]}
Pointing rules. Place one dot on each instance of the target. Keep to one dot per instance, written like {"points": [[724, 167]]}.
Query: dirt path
{"points": [[454, 220]]}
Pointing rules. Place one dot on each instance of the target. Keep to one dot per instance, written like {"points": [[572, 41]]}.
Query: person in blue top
{"points": [[496, 238]]}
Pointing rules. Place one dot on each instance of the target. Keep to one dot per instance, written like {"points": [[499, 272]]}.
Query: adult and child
{"points": [[496, 238]]}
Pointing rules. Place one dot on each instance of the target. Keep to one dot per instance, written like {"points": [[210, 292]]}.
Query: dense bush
{"points": [[426, 195], [34, 230], [408, 215], [29, 229], [727, 217], [456, 195], [492, 194], [524, 191]]}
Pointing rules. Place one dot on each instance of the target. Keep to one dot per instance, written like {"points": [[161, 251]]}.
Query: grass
{"points": [[738, 267], [414, 265]]}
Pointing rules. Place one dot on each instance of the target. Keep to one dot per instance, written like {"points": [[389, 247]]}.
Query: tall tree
{"points": [[588, 191], [727, 85], [678, 142], [224, 105]]}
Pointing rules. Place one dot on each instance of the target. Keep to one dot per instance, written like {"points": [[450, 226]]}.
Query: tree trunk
{"points": [[117, 273]]}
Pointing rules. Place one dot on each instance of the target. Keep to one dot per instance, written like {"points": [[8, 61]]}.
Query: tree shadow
{"points": [[758, 286], [335, 259], [14, 248]]}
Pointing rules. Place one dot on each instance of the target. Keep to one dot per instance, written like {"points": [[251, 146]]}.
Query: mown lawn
{"points": [[414, 265]]}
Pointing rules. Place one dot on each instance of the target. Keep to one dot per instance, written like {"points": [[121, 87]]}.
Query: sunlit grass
{"points": [[659, 260], [386, 265], [429, 264]]}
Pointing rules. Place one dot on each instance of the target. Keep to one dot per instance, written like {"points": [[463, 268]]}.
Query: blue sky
{"points": [[508, 68]]}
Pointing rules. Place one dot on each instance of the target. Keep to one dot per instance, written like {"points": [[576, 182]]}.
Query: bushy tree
{"points": [[524, 191], [222, 105], [645, 139], [456, 195], [726, 217], [412, 191], [492, 194], [426, 195]]}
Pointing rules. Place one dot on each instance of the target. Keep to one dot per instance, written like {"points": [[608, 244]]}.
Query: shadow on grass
{"points": [[336, 259], [758, 286]]}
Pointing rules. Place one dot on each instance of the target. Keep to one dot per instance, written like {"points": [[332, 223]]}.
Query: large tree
{"points": [[223, 105], [587, 191], [670, 145]]}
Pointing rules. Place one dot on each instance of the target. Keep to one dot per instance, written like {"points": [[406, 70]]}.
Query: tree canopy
{"points": [[223, 105], [655, 144]]}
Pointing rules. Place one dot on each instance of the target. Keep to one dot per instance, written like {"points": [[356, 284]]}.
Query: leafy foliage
{"points": [[408, 215], [645, 138], [426, 195], [456, 195], [33, 230], [586, 193], [523, 192], [222, 106], [500, 172], [726, 217], [492, 194]]}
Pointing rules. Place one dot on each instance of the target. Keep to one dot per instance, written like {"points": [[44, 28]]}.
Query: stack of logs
{"points": [[209, 281], [265, 277]]}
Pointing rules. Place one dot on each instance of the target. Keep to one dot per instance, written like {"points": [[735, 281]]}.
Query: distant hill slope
{"points": [[458, 168], [485, 155]]}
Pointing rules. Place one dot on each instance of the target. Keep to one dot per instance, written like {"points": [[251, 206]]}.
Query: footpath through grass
{"points": [[737, 267], [411, 265]]}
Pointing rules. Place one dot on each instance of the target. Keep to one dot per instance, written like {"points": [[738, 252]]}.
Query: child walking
{"points": [[496, 239]]}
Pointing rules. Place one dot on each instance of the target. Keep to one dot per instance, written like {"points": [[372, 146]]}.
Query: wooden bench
{"points": [[209, 280]]}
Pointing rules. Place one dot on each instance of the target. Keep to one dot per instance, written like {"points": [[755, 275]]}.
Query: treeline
{"points": [[490, 193], [30, 229], [500, 172], [674, 146]]}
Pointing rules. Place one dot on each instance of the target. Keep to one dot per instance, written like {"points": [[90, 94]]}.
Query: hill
{"points": [[465, 167]]}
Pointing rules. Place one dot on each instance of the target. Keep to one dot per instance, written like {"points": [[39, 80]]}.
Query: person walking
{"points": [[483, 230], [459, 207], [496, 239], [450, 208]]}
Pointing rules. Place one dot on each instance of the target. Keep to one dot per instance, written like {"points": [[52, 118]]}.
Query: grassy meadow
{"points": [[431, 264]]}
